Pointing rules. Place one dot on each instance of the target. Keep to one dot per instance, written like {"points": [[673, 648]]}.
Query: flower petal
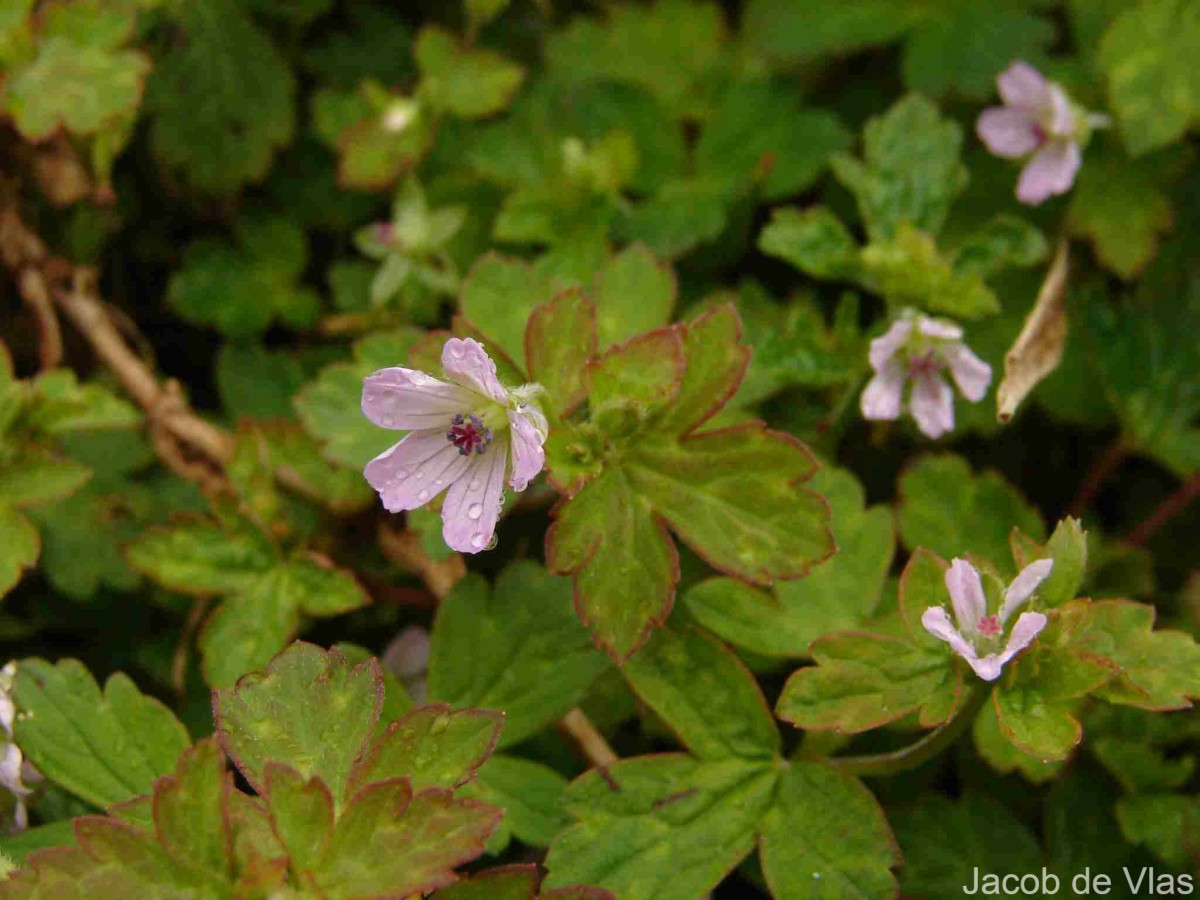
{"points": [[1059, 115], [971, 374], [472, 504], [884, 347], [528, 457], [415, 470], [937, 623], [409, 399], [939, 329], [468, 364], [881, 398], [1023, 87], [1023, 586], [1028, 626], [1007, 132], [932, 405], [987, 667], [1051, 171], [966, 594]]}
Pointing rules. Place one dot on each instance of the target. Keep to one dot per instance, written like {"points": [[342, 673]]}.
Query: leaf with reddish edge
{"points": [[497, 297], [301, 814], [705, 693], [515, 882], [732, 495], [433, 746], [390, 842], [862, 681], [309, 710], [560, 341], [646, 371], [1157, 670], [190, 809]]}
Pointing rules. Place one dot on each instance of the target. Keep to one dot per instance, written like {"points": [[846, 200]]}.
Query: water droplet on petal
{"points": [[388, 421], [418, 378], [474, 485], [420, 473], [424, 495], [401, 474], [477, 539], [458, 350], [475, 511]]}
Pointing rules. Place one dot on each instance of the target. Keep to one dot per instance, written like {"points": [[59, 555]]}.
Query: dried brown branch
{"points": [[32, 287], [1039, 347]]}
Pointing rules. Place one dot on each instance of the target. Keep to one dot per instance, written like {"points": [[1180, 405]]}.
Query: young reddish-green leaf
{"points": [[705, 693], [838, 594], [946, 508], [644, 373], [201, 557], [389, 842], [462, 80], [530, 658], [105, 748], [301, 814], [498, 296], [20, 548], [640, 813], [309, 710], [1158, 670], [732, 495], [189, 811], [433, 746], [862, 681], [1068, 548], [1000, 753], [825, 836], [560, 341]]}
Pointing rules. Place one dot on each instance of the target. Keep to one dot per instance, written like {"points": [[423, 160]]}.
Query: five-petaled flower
{"points": [[1038, 121], [466, 434], [979, 637], [917, 348]]}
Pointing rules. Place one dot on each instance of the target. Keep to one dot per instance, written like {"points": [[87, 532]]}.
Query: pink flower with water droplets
{"points": [[467, 435], [1038, 122], [979, 636], [916, 350]]}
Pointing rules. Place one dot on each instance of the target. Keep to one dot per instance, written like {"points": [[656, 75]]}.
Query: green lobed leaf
{"points": [[1152, 86], [732, 495], [1068, 548], [826, 837], [201, 557], [464, 81], [498, 296], [862, 681], [60, 405], [20, 548], [103, 747], [701, 817], [813, 240], [530, 658], [634, 293], [1165, 823], [910, 171], [37, 477], [705, 694], [309, 710], [946, 508], [529, 793], [221, 102], [560, 341], [840, 593], [793, 32]]}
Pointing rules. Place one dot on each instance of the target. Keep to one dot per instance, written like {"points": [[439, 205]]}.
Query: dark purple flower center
{"points": [[385, 232], [468, 434], [989, 626], [1040, 133], [926, 364]]}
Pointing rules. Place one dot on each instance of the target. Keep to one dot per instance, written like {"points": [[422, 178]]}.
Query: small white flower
{"points": [[918, 349], [10, 754], [979, 637]]}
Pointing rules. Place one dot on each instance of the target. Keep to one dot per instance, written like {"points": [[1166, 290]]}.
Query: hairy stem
{"points": [[1101, 469], [920, 751], [587, 737], [1165, 512]]}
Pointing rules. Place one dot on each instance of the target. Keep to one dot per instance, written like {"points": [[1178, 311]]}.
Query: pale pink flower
{"points": [[918, 349], [468, 436], [1037, 121], [979, 637], [12, 764]]}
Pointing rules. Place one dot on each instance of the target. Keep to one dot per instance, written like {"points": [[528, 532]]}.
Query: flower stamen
{"points": [[469, 434], [989, 626]]}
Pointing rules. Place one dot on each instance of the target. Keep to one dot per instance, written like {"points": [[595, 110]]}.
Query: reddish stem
{"points": [[1101, 470], [1165, 512]]}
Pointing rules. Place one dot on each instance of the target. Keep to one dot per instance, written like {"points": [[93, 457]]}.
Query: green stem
{"points": [[921, 751]]}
